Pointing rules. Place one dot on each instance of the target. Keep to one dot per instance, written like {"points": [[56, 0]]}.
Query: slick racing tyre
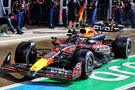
{"points": [[122, 47], [86, 57], [26, 53]]}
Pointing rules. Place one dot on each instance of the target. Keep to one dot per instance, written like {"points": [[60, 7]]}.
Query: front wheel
{"points": [[26, 53], [86, 57]]}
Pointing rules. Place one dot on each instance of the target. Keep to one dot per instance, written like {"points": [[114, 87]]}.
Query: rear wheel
{"points": [[26, 53], [122, 47], [86, 57]]}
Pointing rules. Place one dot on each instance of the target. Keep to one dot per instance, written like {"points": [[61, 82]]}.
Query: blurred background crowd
{"points": [[67, 13]]}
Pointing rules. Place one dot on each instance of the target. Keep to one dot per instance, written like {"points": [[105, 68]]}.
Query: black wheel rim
{"points": [[128, 48], [89, 64]]}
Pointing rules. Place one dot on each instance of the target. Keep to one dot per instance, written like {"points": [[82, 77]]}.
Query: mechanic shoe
{"points": [[20, 33], [24, 28], [69, 31], [1, 35], [4, 34], [51, 26]]}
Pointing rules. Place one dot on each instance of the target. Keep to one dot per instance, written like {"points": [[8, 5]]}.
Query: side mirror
{"points": [[54, 38], [69, 35]]}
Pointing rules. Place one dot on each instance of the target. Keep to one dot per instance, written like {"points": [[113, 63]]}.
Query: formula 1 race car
{"points": [[70, 58]]}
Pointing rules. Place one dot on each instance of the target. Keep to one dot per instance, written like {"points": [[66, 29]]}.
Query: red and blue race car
{"points": [[71, 58]]}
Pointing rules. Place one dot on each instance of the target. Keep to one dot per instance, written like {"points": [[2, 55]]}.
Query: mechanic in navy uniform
{"points": [[53, 12], [92, 11], [6, 24], [130, 13], [19, 7], [65, 13], [37, 11], [119, 5], [73, 7]]}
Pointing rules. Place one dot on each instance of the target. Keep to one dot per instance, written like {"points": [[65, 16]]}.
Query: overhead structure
{"points": [[5, 7]]}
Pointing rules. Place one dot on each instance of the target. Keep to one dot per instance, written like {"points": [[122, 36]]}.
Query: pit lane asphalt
{"points": [[33, 34]]}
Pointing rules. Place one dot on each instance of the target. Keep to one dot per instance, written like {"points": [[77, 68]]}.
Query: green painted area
{"points": [[106, 76], [94, 84]]}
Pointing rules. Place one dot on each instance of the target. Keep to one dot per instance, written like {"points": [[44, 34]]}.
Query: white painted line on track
{"points": [[125, 87], [128, 86], [29, 38], [36, 32], [14, 85], [22, 83]]}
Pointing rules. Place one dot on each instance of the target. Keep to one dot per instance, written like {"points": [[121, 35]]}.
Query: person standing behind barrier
{"points": [[82, 12], [73, 6], [118, 18], [26, 4], [53, 12], [37, 11], [20, 6], [130, 13], [92, 11]]}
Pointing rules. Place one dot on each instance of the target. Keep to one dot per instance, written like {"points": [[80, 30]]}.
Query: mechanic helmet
{"points": [[88, 32]]}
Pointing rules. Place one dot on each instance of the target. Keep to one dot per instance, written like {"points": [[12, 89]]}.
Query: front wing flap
{"points": [[50, 72], [15, 68]]}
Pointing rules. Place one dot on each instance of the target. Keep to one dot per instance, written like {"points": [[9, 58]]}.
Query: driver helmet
{"points": [[88, 32]]}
